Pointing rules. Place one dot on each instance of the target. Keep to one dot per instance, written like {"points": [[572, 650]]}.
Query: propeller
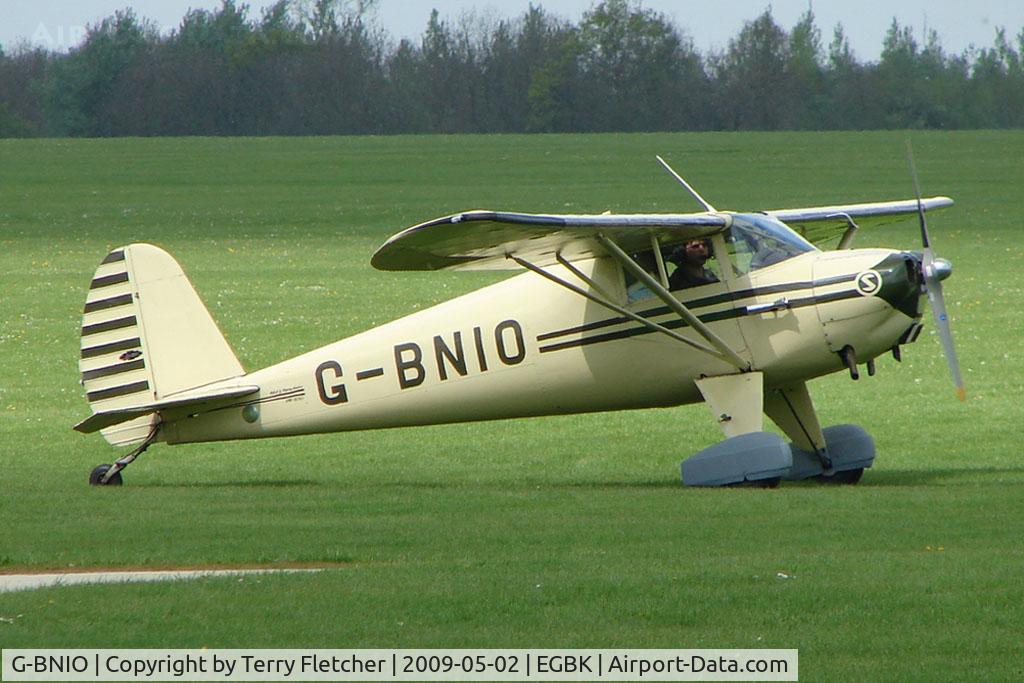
{"points": [[935, 270]]}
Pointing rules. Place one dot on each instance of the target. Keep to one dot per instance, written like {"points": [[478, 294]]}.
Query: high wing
{"points": [[822, 223], [485, 240]]}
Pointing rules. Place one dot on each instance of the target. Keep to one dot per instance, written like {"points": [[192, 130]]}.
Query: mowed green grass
{"points": [[552, 532]]}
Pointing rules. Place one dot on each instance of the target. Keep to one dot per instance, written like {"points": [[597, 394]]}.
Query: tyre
{"points": [[96, 476], [847, 477]]}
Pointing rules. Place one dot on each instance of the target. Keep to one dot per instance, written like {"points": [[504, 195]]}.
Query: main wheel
{"points": [[96, 476], [770, 483], [845, 477]]}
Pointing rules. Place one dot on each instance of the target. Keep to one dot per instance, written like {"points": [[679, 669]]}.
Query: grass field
{"points": [[553, 532]]}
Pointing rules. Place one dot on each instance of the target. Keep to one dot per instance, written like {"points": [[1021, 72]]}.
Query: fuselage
{"points": [[527, 347]]}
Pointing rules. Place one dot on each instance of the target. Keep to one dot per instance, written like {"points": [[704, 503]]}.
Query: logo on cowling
{"points": [[869, 282]]}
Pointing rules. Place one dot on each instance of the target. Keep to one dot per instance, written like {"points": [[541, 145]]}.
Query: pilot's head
{"points": [[694, 252]]}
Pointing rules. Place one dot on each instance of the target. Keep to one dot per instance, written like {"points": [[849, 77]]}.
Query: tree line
{"points": [[312, 67]]}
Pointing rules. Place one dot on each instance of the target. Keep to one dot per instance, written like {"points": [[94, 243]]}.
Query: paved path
{"points": [[20, 582]]}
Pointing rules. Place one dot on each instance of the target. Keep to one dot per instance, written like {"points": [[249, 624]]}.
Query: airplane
{"points": [[594, 321]]}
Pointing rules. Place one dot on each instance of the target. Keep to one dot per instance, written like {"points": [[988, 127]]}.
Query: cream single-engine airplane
{"points": [[595, 323]]}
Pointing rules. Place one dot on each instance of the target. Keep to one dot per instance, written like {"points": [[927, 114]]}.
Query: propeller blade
{"points": [[933, 285], [938, 306], [925, 242]]}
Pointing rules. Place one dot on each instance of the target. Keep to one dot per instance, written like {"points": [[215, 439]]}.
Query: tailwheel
{"points": [[847, 477], [96, 477], [102, 475]]}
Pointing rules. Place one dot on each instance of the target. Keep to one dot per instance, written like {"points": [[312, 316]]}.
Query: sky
{"points": [[60, 24]]}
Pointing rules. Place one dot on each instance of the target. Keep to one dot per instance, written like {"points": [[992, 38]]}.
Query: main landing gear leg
{"points": [[791, 409], [748, 456], [834, 455], [110, 475]]}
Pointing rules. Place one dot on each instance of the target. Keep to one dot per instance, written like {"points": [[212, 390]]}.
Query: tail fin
{"points": [[146, 337]]}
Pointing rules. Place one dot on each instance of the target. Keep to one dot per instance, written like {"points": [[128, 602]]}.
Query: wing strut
{"points": [[582, 276], [851, 230], [602, 301], [726, 353]]}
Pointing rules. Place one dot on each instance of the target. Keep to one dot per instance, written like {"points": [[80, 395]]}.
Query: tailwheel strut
{"points": [[110, 475]]}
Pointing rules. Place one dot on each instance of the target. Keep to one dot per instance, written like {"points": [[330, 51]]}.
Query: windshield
{"points": [[757, 241]]}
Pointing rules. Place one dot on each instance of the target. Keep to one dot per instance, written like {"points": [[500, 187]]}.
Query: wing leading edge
{"points": [[821, 223], [484, 240]]}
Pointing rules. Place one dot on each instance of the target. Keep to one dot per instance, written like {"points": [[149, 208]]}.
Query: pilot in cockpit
{"points": [[690, 260]]}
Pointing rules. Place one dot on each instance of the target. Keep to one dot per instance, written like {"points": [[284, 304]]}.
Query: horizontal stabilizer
{"points": [[190, 402]]}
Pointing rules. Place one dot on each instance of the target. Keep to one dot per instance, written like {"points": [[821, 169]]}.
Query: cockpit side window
{"points": [[636, 290], [689, 264]]}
